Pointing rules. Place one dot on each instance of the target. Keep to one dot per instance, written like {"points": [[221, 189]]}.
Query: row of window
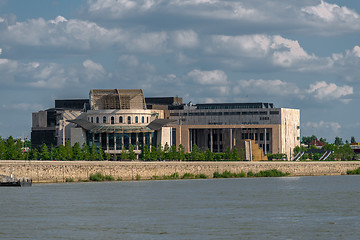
{"points": [[121, 119], [223, 113]]}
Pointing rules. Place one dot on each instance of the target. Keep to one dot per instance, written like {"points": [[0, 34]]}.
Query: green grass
{"points": [[353, 172], [99, 177], [267, 173]]}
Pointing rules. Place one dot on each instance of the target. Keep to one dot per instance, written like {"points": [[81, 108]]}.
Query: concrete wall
{"points": [[51, 171]]}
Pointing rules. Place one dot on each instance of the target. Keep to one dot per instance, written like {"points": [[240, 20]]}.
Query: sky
{"points": [[295, 54]]}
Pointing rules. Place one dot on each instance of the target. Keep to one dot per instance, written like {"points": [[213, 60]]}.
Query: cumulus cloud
{"points": [[331, 12], [323, 90], [267, 87], [276, 49], [215, 77], [323, 126], [187, 39], [155, 42], [22, 106]]}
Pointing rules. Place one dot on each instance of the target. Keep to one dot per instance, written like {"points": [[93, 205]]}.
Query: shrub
{"points": [[69, 180], [138, 177], [97, 177], [250, 174], [119, 179], [201, 175], [109, 178], [271, 173], [155, 177], [216, 175], [188, 176], [172, 176], [353, 172]]}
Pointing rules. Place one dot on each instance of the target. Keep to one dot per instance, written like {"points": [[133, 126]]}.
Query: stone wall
{"points": [[58, 171]]}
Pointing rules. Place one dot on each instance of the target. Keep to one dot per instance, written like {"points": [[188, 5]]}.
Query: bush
{"points": [[271, 173], [109, 178], [201, 175], [138, 177], [97, 177], [353, 172], [250, 174], [188, 176], [69, 180]]}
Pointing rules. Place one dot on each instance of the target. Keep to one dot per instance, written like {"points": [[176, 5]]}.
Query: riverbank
{"points": [[59, 171]]}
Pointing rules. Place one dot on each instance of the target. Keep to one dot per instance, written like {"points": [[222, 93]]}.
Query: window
{"points": [[129, 120], [136, 119], [120, 119], [97, 120], [104, 119], [92, 119], [142, 119], [112, 120], [147, 119]]}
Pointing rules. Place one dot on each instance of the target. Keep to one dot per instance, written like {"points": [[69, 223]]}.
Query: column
{"points": [[191, 140], [137, 141], [150, 136], [93, 138], [230, 139], [130, 139], [114, 141], [107, 141], [218, 140], [211, 140], [122, 140], [265, 140]]}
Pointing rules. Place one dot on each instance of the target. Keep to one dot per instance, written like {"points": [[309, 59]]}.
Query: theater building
{"points": [[117, 118]]}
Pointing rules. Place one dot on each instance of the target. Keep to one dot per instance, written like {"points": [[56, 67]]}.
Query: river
{"points": [[325, 207]]}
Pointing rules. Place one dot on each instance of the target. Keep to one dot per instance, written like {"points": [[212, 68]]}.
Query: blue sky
{"points": [[296, 54]]}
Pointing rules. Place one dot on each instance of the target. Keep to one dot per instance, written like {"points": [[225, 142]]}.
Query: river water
{"points": [[324, 207]]}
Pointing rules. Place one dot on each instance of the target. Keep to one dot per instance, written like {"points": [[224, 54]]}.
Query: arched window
{"points": [[112, 120], [142, 119], [92, 119], [120, 119], [147, 120], [104, 119], [136, 119], [97, 120], [129, 120]]}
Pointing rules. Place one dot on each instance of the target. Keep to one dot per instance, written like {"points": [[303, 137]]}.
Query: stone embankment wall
{"points": [[58, 171]]}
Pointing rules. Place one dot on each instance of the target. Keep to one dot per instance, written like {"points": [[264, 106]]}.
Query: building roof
{"points": [[317, 143], [101, 99]]}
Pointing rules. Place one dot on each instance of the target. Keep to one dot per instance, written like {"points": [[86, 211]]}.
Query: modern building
{"points": [[117, 118]]}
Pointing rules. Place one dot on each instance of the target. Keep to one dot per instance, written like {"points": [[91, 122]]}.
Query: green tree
{"points": [[62, 153], [154, 154], [76, 152], [323, 140], [2, 149], [68, 151], [10, 151], [160, 152], [181, 152], [99, 154], [307, 140], [194, 155], [145, 153], [166, 151], [235, 154], [93, 153], [34, 155], [228, 154], [338, 141], [132, 155], [44, 152], [242, 154], [124, 155], [209, 156], [85, 152], [353, 139]]}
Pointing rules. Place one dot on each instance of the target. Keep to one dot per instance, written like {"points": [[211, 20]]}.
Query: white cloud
{"points": [[215, 77], [322, 126], [23, 106], [324, 91], [267, 87], [275, 49], [154, 42], [129, 60], [94, 71], [186, 39], [331, 12]]}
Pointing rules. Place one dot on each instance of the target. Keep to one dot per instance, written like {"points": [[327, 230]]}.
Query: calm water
{"points": [[259, 208]]}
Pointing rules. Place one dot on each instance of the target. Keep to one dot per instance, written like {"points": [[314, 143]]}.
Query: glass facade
{"points": [[118, 141]]}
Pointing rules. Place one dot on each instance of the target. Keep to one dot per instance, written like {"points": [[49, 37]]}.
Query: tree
{"points": [[2, 149], [181, 152], [145, 153], [323, 140], [132, 155], [307, 140], [76, 152], [34, 155], [68, 150], [99, 154], [235, 154], [166, 151], [228, 154], [93, 153], [10, 150], [338, 141], [62, 153], [44, 152], [124, 155], [353, 139], [153, 153], [209, 156], [242, 154], [85, 152], [173, 154]]}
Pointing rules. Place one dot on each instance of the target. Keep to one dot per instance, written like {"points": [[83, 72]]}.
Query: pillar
{"points": [[211, 140]]}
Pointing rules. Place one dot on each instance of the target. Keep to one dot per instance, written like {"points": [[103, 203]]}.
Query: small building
{"points": [[316, 143]]}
